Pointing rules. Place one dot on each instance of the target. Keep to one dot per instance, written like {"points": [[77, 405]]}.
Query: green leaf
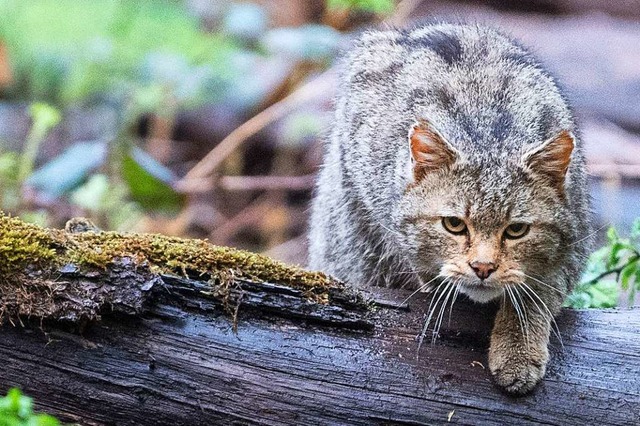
{"points": [[43, 420], [635, 287], [69, 169], [8, 166], [604, 294], [620, 250], [149, 182], [614, 255], [627, 272], [45, 115], [92, 194], [16, 404], [16, 409], [612, 235], [635, 228]]}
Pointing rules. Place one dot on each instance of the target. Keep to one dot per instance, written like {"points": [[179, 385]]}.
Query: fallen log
{"points": [[159, 347]]}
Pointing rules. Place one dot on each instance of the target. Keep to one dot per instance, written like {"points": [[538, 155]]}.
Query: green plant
{"points": [[611, 270], [70, 51], [108, 203], [375, 6], [16, 409], [44, 118], [16, 168]]}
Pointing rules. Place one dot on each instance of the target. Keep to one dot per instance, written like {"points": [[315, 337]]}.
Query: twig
{"points": [[614, 270], [309, 91], [250, 183]]}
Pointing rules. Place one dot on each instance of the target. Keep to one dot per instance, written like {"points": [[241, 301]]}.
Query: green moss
{"points": [[23, 244]]}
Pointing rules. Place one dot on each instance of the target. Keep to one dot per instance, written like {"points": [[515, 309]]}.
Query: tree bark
{"points": [[293, 361]]}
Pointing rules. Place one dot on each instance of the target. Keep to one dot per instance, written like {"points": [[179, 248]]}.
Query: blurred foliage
{"points": [[138, 58], [307, 42], [107, 203], [66, 51], [374, 6], [15, 168], [69, 169], [44, 118], [149, 182], [246, 21], [611, 271], [16, 409]]}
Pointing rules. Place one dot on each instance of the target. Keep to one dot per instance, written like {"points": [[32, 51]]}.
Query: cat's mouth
{"points": [[482, 291], [477, 289]]}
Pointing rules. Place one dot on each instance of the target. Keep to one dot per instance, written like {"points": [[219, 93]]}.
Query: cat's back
{"points": [[483, 89]]}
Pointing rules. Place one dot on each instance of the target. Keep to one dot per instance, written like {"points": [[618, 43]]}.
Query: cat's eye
{"points": [[516, 230], [454, 225]]}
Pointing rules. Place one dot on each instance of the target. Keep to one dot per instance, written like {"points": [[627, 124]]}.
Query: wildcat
{"points": [[454, 160]]}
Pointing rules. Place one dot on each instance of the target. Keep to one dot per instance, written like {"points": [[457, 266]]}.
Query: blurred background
{"points": [[204, 118]]}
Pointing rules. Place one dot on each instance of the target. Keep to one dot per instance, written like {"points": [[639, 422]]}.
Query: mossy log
{"points": [[77, 274], [141, 337]]}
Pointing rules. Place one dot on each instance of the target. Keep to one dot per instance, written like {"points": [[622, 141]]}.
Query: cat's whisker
{"points": [[525, 316], [529, 291], [455, 297], [545, 284], [413, 271], [421, 288], [591, 234], [443, 308], [445, 285], [516, 308]]}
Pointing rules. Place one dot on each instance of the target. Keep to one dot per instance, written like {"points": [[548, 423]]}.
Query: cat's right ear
{"points": [[429, 150], [550, 161]]}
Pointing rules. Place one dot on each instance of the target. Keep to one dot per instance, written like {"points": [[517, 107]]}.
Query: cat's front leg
{"points": [[518, 353]]}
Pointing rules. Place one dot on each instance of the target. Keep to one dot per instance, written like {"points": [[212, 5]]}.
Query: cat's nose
{"points": [[483, 269]]}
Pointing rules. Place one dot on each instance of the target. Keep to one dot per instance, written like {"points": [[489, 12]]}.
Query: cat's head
{"points": [[481, 219]]}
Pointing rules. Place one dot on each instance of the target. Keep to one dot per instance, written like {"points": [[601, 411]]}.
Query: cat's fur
{"points": [[490, 138]]}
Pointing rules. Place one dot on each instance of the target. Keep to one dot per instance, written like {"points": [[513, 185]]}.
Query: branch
{"points": [[206, 166], [76, 276]]}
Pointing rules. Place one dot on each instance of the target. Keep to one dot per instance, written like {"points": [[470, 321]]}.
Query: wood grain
{"points": [[182, 364]]}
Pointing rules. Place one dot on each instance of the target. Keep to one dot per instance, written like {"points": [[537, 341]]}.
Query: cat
{"points": [[453, 161]]}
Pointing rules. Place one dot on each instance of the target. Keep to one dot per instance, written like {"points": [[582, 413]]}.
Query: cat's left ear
{"points": [[551, 159], [430, 151]]}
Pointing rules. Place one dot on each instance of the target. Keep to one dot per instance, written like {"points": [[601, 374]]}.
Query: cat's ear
{"points": [[429, 150], [551, 159]]}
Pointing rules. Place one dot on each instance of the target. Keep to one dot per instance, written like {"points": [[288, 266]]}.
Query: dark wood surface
{"points": [[182, 364]]}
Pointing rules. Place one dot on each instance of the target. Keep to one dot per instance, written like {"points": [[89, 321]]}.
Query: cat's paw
{"points": [[517, 375]]}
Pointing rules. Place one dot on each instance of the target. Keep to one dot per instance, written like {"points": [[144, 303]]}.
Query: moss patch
{"points": [[31, 256]]}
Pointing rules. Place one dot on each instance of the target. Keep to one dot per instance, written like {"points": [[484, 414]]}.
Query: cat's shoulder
{"points": [[448, 43]]}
